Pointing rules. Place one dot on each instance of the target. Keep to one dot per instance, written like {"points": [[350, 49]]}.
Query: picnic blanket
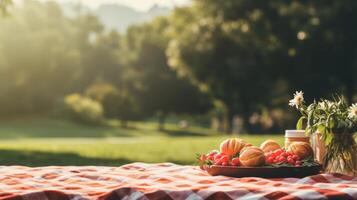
{"points": [[161, 181]]}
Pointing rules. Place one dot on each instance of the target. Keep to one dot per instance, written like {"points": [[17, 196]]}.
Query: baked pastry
{"points": [[252, 157], [269, 146], [232, 146], [301, 149]]}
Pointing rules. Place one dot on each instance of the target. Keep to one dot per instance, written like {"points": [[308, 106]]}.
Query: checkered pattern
{"points": [[161, 181]]}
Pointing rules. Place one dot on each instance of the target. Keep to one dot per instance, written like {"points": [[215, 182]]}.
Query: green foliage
{"points": [[328, 117], [4, 4], [84, 109], [45, 55], [337, 122], [158, 89], [239, 49], [225, 54], [98, 91], [120, 105], [41, 57], [247, 54]]}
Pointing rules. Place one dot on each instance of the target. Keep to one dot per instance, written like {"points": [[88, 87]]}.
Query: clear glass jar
{"points": [[340, 155], [318, 146], [295, 136]]}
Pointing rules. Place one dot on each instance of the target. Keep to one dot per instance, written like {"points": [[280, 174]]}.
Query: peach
{"points": [[252, 157], [269, 146]]}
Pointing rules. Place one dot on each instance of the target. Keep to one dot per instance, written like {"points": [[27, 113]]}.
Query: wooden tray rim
{"points": [[262, 167]]}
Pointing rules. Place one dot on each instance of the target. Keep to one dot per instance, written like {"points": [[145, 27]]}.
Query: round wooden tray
{"points": [[264, 172]]}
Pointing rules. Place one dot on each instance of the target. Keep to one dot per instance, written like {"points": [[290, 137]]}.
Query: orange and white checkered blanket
{"points": [[161, 181]]}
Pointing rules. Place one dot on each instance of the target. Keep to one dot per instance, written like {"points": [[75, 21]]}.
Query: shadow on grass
{"points": [[39, 158], [184, 133], [57, 128]]}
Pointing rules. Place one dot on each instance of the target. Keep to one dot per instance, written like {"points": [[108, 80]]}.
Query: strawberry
{"points": [[235, 162], [212, 153], [222, 159], [218, 156], [203, 157]]}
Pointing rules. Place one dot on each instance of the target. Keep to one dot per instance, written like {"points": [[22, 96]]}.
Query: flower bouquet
{"points": [[336, 121]]}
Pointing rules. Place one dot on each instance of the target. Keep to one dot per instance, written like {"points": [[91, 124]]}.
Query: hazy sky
{"points": [[136, 4]]}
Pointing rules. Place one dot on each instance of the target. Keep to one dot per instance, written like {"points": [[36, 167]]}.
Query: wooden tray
{"points": [[264, 172]]}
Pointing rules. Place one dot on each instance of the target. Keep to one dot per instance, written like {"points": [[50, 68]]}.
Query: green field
{"points": [[40, 142]]}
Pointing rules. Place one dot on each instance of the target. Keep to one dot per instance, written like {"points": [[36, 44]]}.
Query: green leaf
{"points": [[321, 128], [300, 122]]}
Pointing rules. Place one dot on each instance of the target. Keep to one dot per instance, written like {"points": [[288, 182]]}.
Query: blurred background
{"points": [[111, 82]]}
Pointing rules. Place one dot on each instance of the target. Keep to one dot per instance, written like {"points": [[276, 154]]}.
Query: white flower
{"points": [[325, 104], [352, 111], [297, 100]]}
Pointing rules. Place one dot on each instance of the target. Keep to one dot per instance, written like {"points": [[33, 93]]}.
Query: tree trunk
{"points": [[124, 124], [161, 124], [230, 115]]}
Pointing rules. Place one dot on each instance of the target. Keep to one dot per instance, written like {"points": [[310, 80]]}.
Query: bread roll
{"points": [[302, 149], [269, 146], [252, 157], [232, 146]]}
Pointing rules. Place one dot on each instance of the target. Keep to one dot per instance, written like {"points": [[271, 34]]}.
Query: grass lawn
{"points": [[40, 142]]}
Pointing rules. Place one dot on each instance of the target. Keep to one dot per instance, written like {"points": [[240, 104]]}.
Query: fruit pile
{"points": [[281, 156], [237, 152], [217, 158]]}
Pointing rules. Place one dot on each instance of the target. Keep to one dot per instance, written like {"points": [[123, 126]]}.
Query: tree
{"points": [[240, 49], [101, 60], [322, 40], [221, 47], [117, 104], [4, 4], [121, 105], [159, 90], [41, 57]]}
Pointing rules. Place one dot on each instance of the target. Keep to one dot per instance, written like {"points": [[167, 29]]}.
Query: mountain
{"points": [[118, 17]]}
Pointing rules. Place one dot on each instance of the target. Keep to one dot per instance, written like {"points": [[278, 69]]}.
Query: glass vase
{"points": [[319, 147], [341, 154]]}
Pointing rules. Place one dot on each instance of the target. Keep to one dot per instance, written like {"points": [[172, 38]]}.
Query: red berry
{"points": [[268, 154], [218, 162], [291, 162], [203, 157], [298, 162], [235, 161], [221, 160], [225, 158], [296, 157], [285, 154], [297, 165], [282, 159], [212, 153], [218, 156], [270, 160], [225, 163], [210, 158]]}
